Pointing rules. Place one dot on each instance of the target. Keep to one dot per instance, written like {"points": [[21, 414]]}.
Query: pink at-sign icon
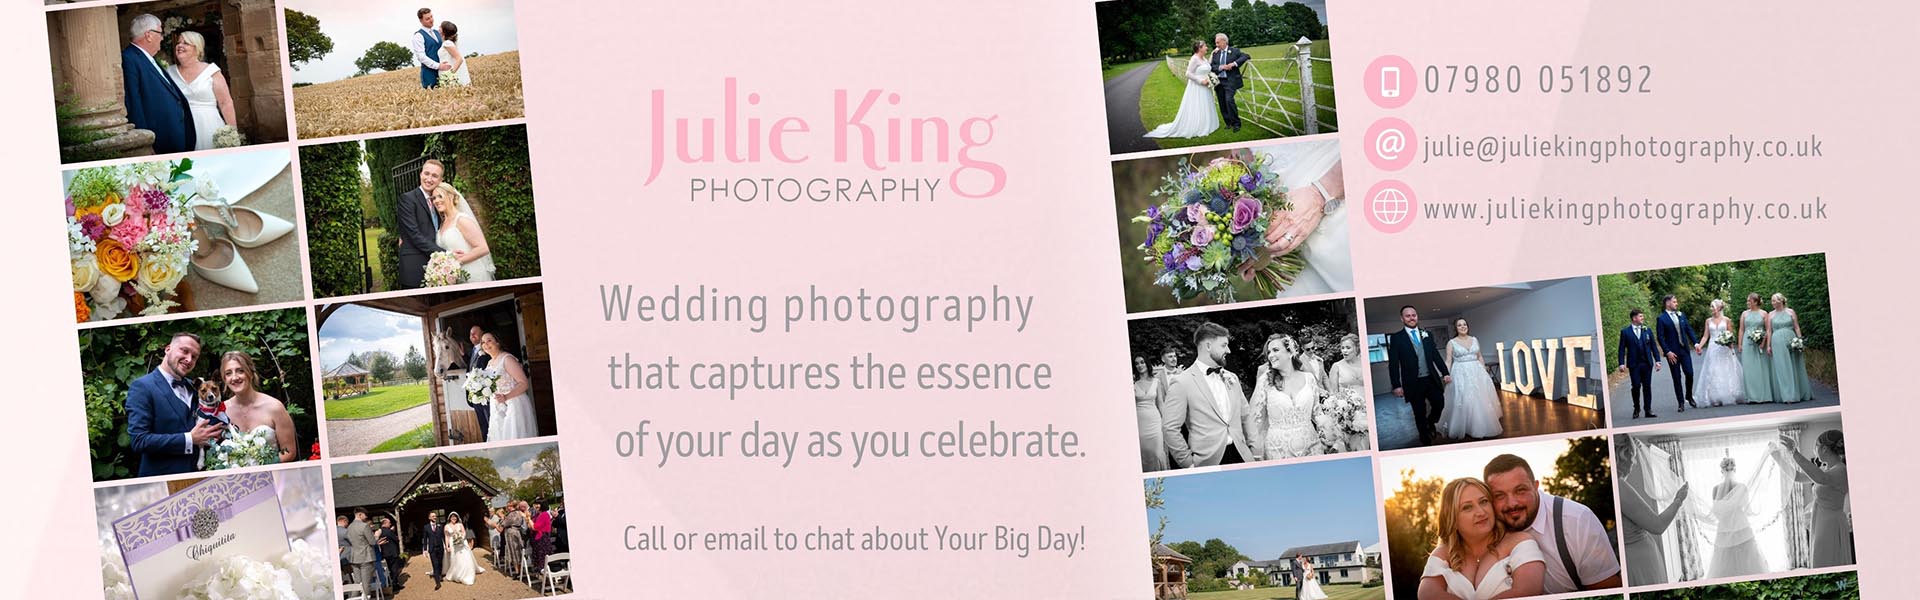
{"points": [[1391, 81], [1391, 144], [1390, 206]]}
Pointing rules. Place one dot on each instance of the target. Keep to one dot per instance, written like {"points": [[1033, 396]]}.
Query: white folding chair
{"points": [[557, 576], [526, 565], [352, 591]]}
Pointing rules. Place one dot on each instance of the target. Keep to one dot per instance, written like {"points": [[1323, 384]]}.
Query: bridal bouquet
{"points": [[1212, 219], [1756, 335], [228, 136], [444, 269], [481, 385], [244, 449], [129, 236], [1724, 338]]}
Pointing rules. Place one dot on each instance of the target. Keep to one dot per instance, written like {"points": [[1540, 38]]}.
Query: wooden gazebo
{"points": [[1169, 573], [515, 314], [346, 381], [440, 484]]}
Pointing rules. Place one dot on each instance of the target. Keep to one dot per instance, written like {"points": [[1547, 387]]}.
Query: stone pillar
{"points": [[86, 78], [252, 44]]}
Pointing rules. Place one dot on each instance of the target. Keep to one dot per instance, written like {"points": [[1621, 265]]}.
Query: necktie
{"points": [[431, 213]]}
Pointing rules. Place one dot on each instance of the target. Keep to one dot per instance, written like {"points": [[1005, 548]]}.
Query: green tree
{"points": [[381, 364], [1293, 20], [305, 41], [1156, 490], [1191, 16], [414, 363], [484, 469], [1411, 514], [1136, 29], [1584, 474], [1618, 296], [383, 56], [543, 482]]}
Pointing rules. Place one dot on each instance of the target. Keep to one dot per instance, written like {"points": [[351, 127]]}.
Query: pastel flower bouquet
{"points": [[481, 385], [443, 270], [1724, 338], [129, 238], [1341, 416], [1211, 221], [244, 449], [1756, 335]]}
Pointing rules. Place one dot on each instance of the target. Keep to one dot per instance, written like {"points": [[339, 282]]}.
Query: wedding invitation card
{"points": [[166, 544]]}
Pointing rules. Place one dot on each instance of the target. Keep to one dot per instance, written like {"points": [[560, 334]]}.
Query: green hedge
{"points": [[330, 186], [495, 167], [1802, 279], [1830, 586], [111, 358]]}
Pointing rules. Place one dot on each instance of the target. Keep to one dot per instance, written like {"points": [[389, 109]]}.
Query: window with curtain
{"points": [[1695, 460]]}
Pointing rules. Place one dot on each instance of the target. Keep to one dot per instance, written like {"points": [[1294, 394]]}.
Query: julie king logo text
{"points": [[870, 129]]}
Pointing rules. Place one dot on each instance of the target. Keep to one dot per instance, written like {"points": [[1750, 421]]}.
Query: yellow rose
{"points": [[116, 260], [85, 274], [159, 274]]}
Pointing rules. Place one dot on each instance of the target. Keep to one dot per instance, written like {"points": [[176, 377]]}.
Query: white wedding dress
{"points": [[1310, 587], [1198, 116], [460, 566], [1735, 551], [1499, 577], [1329, 262], [457, 76], [1473, 403], [1721, 380], [480, 269], [514, 419], [1289, 431], [201, 104]]}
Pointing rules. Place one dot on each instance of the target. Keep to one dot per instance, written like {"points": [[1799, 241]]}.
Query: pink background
{"points": [[1768, 69]]}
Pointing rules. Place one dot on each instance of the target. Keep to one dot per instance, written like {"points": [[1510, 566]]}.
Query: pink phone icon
{"points": [[1390, 82]]}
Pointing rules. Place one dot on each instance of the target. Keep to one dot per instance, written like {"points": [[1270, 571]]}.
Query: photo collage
{"points": [[307, 292], [1509, 439]]}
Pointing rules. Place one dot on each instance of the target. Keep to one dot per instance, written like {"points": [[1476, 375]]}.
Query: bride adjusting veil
{"points": [[1728, 520], [1198, 116], [460, 231]]}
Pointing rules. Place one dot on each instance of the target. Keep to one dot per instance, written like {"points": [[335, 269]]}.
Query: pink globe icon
{"points": [[1390, 206]]}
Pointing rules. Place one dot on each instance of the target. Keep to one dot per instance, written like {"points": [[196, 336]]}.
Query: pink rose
{"points": [[1196, 213], [1202, 234], [1245, 210]]}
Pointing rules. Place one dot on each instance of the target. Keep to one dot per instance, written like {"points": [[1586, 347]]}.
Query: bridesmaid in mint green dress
{"points": [[1754, 362], [1790, 383]]}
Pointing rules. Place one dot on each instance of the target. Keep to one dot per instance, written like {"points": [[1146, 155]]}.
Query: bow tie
{"points": [[1211, 371], [182, 383]]}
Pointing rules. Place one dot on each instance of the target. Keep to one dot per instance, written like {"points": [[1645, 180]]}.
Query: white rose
{"points": [[205, 189], [113, 213], [105, 289], [86, 273]]}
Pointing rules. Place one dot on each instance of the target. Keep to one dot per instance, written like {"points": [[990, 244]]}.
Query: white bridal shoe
{"points": [[220, 262], [245, 226]]}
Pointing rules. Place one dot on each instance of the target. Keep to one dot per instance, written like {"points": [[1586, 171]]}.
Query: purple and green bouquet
{"points": [[1210, 221]]}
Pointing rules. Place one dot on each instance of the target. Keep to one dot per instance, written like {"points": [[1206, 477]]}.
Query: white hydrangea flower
{"points": [[311, 571], [240, 578]]}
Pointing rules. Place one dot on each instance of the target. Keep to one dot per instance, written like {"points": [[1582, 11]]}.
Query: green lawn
{"points": [[420, 437], [381, 401], [373, 256], [1114, 71], [1346, 591], [1160, 98]]}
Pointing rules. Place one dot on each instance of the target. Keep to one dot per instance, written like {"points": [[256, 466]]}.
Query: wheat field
{"points": [[394, 100]]}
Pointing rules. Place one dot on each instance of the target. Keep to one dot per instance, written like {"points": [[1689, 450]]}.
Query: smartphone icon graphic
{"points": [[1390, 82]]}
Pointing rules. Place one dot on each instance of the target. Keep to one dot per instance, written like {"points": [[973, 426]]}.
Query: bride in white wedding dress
{"points": [[460, 231], [1284, 397], [460, 566], [1721, 381], [1735, 550], [512, 406], [1473, 404], [1198, 115], [450, 53]]}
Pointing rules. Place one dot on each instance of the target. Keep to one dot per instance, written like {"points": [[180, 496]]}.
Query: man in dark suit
{"points": [[1227, 62], [434, 544], [1676, 340], [1418, 372], [153, 102], [477, 360], [1640, 357], [162, 425], [387, 542], [419, 225]]}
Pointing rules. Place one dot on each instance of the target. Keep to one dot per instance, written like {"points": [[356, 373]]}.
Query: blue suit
{"points": [[1678, 339], [1639, 354], [156, 422], [430, 42], [154, 103]]}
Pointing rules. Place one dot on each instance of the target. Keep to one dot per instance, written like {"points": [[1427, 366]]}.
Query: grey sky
{"points": [[514, 462]]}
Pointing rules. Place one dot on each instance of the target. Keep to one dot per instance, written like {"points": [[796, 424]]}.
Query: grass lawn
{"points": [[373, 256], [1346, 591], [420, 437], [1116, 70], [1160, 98], [381, 401]]}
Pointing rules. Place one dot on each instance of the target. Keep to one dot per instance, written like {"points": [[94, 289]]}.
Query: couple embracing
{"points": [[1213, 77], [438, 52], [435, 218], [174, 420], [1502, 536]]}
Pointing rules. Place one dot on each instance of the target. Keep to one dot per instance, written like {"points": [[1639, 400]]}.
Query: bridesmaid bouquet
{"points": [[1756, 335], [1724, 338], [1212, 219], [244, 449], [443, 269], [1344, 413], [129, 235], [1798, 344], [481, 385]]}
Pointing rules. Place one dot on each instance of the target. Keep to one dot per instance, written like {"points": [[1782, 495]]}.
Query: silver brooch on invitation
{"points": [[205, 523]]}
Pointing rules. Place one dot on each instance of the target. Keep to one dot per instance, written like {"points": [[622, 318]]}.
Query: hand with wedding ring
{"points": [[1288, 229]]}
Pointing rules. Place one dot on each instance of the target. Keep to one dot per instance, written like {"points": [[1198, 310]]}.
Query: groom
{"points": [[1413, 363], [1203, 424], [426, 50], [1227, 61], [477, 360], [162, 425], [1579, 554], [434, 544], [1640, 356], [1676, 342], [419, 225], [154, 103]]}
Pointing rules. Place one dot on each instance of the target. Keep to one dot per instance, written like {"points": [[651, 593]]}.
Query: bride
{"points": [[460, 232], [250, 410], [208, 102], [1721, 382], [1309, 582], [460, 565], [1735, 551], [450, 53], [1478, 558], [1198, 116], [512, 405], [1283, 401], [1474, 411]]}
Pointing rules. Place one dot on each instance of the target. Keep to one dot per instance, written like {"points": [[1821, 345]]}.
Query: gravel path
{"points": [[417, 582], [1124, 131], [357, 436]]}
